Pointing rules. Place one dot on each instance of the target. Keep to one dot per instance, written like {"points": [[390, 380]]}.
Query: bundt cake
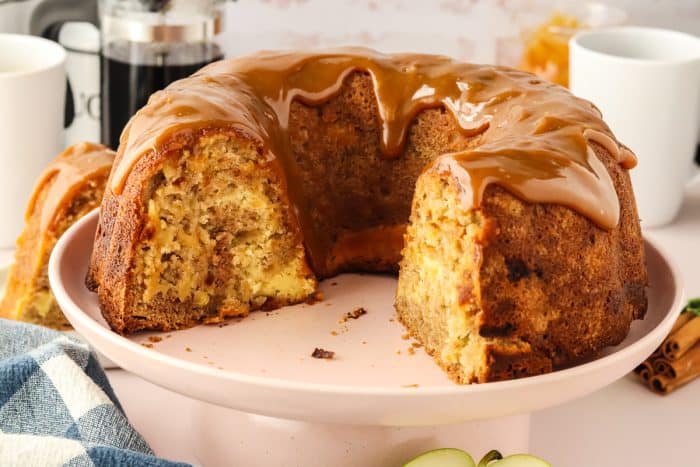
{"points": [[238, 188], [70, 187]]}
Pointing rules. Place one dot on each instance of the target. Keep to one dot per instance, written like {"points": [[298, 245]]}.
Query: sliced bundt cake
{"points": [[238, 188]]}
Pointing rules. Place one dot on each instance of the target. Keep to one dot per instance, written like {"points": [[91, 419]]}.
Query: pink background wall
{"points": [[475, 30]]}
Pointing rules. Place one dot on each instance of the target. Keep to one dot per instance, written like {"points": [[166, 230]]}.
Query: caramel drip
{"points": [[534, 171], [532, 136], [66, 174]]}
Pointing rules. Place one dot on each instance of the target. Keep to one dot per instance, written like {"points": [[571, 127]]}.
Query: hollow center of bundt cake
{"points": [[217, 242], [355, 198]]}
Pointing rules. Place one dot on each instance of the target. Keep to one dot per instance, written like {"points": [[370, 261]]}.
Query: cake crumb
{"points": [[410, 386], [168, 336], [314, 298], [391, 320], [405, 337], [322, 353], [334, 333], [187, 349], [411, 350], [147, 344], [354, 314], [334, 283], [398, 352], [416, 345], [364, 342], [224, 324], [155, 339]]}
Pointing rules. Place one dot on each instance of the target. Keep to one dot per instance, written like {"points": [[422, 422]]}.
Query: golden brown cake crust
{"points": [[553, 279]]}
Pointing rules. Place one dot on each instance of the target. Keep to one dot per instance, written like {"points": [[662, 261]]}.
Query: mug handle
{"points": [[695, 175], [47, 20]]}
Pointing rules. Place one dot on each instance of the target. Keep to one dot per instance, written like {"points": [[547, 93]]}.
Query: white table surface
{"points": [[623, 424]]}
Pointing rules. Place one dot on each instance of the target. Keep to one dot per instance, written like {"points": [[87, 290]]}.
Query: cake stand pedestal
{"points": [[224, 436]]}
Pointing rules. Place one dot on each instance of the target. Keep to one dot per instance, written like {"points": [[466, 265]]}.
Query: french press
{"points": [[145, 45]]}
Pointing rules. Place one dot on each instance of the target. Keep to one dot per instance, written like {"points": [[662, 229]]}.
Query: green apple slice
{"points": [[521, 460], [447, 457]]}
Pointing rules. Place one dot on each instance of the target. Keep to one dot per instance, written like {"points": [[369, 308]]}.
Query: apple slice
{"points": [[447, 457], [521, 460]]}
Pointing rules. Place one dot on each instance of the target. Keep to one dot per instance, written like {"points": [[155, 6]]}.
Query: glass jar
{"points": [[542, 47]]}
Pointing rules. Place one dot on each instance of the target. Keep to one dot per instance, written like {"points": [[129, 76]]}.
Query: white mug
{"points": [[32, 95], [646, 83]]}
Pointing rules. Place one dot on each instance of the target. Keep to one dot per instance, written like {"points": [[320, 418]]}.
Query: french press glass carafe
{"points": [[147, 44]]}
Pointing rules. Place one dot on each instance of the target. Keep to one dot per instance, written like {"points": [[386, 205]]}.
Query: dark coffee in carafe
{"points": [[130, 73]]}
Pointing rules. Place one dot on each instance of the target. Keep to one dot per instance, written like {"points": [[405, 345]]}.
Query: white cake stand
{"points": [[378, 402]]}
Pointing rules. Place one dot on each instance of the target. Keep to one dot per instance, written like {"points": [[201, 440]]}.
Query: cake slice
{"points": [[216, 242], [70, 187], [505, 290]]}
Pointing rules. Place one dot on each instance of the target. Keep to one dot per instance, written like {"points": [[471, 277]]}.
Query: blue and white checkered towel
{"points": [[57, 407]]}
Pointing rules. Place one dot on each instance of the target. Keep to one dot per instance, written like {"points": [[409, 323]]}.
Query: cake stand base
{"points": [[227, 437]]}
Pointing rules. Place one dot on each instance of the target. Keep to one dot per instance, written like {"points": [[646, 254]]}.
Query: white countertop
{"points": [[623, 424]]}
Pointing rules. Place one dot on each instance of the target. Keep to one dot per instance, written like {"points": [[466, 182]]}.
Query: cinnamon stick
{"points": [[663, 385], [685, 337], [678, 373], [683, 318], [645, 370], [663, 367]]}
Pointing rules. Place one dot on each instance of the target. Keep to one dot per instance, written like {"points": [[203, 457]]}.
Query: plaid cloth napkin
{"points": [[57, 407]]}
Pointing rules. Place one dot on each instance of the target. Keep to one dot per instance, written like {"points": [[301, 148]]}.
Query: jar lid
{"points": [[145, 28]]}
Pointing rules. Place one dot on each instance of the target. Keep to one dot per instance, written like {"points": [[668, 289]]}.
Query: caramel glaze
{"points": [[67, 174], [529, 136]]}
